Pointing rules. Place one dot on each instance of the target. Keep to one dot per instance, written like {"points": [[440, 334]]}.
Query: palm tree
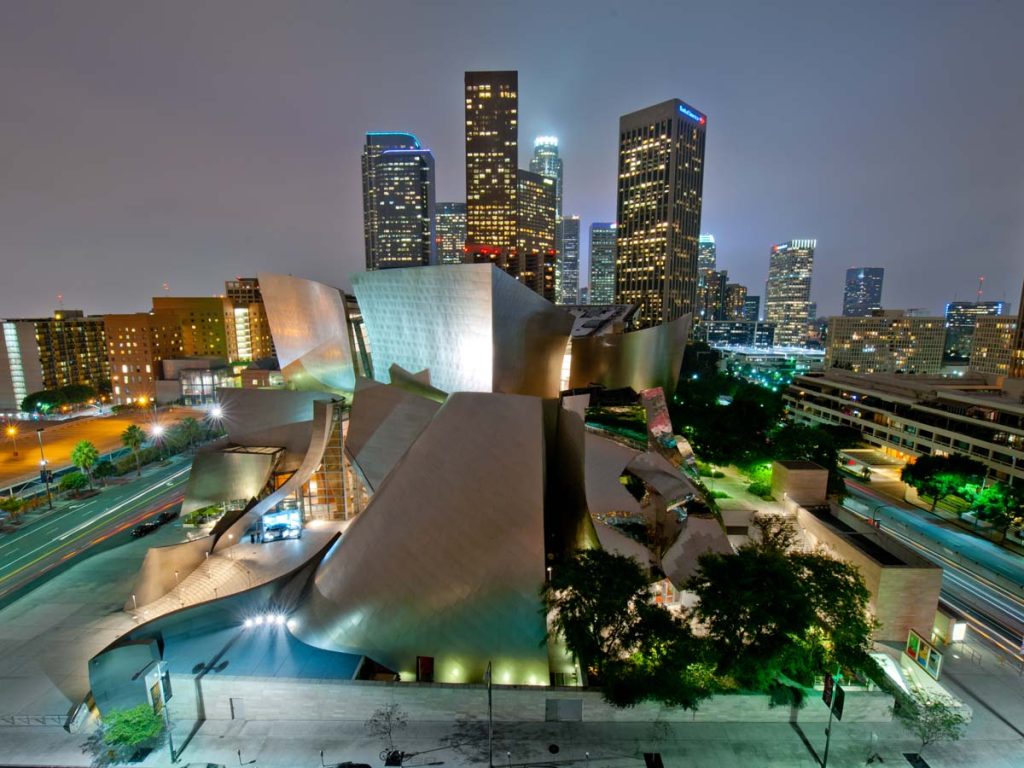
{"points": [[133, 438], [190, 430], [84, 456]]}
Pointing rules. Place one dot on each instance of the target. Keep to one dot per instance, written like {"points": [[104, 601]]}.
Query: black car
{"points": [[144, 529], [166, 517]]}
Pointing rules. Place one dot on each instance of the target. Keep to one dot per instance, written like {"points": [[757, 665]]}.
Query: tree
{"points": [[999, 504], [942, 476], [775, 614], [122, 732], [72, 481], [601, 605], [132, 438], [930, 718], [12, 505], [191, 431], [385, 722], [84, 456]]}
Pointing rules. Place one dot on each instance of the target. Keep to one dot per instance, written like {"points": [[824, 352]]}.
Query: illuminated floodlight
{"points": [[546, 141], [292, 623], [216, 412], [157, 430], [279, 619], [259, 620], [247, 623]]}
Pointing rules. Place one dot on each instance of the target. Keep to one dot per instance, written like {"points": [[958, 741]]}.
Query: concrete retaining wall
{"points": [[279, 699], [156, 576]]}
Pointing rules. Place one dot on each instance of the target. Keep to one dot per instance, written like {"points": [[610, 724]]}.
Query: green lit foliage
{"points": [[773, 613], [84, 456], [13, 506], [132, 438], [601, 605], [49, 400], [940, 476], [1000, 505], [122, 733], [73, 481]]}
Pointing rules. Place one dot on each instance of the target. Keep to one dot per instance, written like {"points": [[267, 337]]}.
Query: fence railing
{"points": [[10, 721]]}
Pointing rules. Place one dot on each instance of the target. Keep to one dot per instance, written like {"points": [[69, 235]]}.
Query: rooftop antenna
{"points": [[981, 286], [60, 301], [167, 288]]}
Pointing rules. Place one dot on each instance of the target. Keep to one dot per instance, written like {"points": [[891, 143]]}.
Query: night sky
{"points": [[190, 142]]}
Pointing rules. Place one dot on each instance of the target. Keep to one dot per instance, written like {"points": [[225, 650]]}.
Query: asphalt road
{"points": [[44, 546], [981, 580], [60, 437]]}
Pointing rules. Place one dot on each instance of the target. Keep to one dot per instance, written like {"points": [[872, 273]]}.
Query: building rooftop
{"points": [[599, 319]]}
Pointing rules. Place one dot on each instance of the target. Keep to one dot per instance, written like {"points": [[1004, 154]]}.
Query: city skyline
{"points": [[226, 179]]}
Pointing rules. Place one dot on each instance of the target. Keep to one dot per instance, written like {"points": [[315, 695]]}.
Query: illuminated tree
{"points": [[942, 476], [133, 438], [84, 456]]}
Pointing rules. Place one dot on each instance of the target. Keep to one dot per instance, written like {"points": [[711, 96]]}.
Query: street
{"points": [[59, 438], [65, 534]]}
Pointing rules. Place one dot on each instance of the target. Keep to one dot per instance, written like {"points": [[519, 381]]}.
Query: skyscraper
{"points": [[752, 308], [568, 270], [450, 232], [711, 295], [492, 161], [546, 162], [535, 227], [788, 299], [398, 202], [706, 254], [602, 263], [863, 292], [661, 180], [735, 299], [961, 317], [20, 371], [1017, 362]]}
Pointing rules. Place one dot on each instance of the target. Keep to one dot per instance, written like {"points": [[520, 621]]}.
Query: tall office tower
{"points": [[546, 162], [711, 295], [961, 317], [752, 308], [567, 274], [492, 160], [450, 232], [602, 263], [72, 350], [398, 202], [788, 294], [661, 181], [20, 371], [735, 300], [251, 339], [535, 226], [862, 294], [707, 256]]}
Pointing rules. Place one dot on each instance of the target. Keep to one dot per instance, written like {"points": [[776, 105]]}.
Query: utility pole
{"points": [[44, 472]]}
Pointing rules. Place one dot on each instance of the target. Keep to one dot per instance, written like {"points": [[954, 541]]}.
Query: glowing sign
{"points": [[692, 114]]}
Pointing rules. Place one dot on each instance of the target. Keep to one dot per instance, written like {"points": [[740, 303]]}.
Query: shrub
{"points": [[764, 490], [73, 481]]}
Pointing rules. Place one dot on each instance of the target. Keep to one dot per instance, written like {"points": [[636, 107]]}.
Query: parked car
{"points": [[280, 531], [168, 516], [144, 529]]}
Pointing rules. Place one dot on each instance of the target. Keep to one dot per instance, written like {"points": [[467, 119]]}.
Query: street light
{"points": [[12, 432]]}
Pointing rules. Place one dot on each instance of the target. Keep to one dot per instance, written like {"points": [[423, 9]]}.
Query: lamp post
{"points": [[43, 471], [12, 432]]}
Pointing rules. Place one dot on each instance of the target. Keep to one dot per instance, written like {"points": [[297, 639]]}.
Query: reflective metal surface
{"points": [[308, 322], [472, 326], [641, 359]]}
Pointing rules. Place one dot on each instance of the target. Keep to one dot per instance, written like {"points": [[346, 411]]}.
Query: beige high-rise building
{"points": [[992, 345], [660, 189], [536, 233], [887, 341], [251, 336], [788, 292]]}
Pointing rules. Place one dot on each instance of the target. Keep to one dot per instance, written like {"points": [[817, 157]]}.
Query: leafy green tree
{"points": [[132, 438], [191, 431], [601, 605], [13, 506], [73, 481], [930, 718], [942, 476], [999, 504], [123, 732], [774, 613], [84, 456]]}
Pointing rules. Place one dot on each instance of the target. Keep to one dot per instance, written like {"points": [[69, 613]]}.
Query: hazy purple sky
{"points": [[189, 142]]}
